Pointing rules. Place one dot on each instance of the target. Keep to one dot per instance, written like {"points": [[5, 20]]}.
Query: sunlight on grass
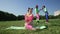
{"points": [[53, 27]]}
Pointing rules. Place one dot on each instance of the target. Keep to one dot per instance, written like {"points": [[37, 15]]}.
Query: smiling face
{"points": [[30, 10]]}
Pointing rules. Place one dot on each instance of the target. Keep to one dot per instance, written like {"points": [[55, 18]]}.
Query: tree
{"points": [[20, 17], [6, 16]]}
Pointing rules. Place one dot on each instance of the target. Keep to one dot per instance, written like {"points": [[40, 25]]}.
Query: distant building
{"points": [[56, 13]]}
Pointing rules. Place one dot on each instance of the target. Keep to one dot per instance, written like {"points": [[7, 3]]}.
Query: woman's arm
{"points": [[26, 18]]}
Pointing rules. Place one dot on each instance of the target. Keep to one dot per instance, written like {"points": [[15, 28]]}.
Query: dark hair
{"points": [[36, 6], [29, 9], [44, 6]]}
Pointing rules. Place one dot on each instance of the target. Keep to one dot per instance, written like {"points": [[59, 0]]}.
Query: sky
{"points": [[19, 7]]}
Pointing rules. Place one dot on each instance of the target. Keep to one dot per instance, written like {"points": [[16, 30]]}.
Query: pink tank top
{"points": [[28, 18]]}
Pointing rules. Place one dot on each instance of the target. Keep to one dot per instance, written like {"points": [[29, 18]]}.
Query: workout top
{"points": [[45, 9], [28, 18], [36, 9]]}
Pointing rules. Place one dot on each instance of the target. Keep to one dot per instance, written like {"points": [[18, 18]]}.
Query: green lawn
{"points": [[53, 27]]}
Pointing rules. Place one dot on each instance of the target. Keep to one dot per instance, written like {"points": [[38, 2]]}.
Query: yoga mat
{"points": [[15, 27]]}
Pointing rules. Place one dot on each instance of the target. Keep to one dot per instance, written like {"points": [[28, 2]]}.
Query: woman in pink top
{"points": [[29, 19]]}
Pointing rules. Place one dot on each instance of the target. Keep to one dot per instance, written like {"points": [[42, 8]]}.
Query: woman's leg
{"points": [[37, 17], [29, 27], [46, 15]]}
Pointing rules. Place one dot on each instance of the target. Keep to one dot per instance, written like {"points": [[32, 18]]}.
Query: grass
{"points": [[53, 27]]}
